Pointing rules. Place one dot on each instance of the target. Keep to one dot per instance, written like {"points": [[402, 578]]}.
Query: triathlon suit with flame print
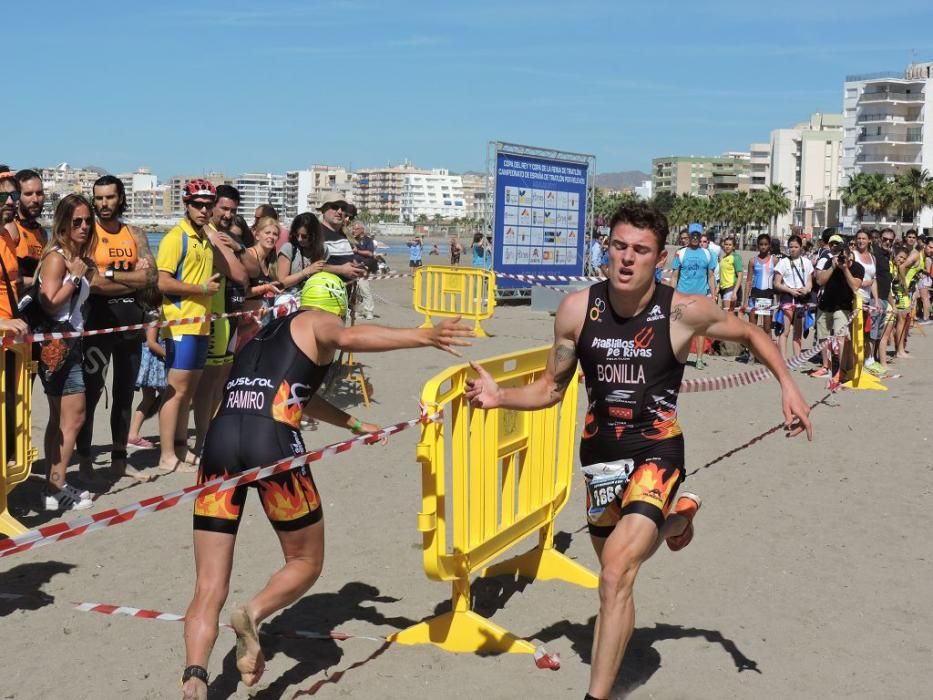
{"points": [[259, 423], [632, 381]]}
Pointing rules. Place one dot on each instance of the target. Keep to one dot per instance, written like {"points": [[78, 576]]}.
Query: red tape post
{"points": [[64, 530]]}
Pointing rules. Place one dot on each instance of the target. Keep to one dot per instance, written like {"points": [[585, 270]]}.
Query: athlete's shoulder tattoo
{"points": [[144, 253], [677, 311]]}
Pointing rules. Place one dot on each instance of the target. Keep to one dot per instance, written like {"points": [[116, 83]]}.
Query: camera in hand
{"points": [[843, 258]]}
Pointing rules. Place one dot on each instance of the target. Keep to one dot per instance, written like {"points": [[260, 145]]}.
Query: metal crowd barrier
{"points": [[448, 291], [490, 479], [16, 451]]}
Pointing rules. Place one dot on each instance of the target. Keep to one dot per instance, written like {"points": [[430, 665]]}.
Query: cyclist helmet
{"points": [[198, 188], [325, 291]]}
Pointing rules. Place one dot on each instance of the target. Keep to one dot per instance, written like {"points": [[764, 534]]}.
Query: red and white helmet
{"points": [[198, 188]]}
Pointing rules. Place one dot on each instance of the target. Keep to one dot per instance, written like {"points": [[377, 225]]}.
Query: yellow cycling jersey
{"points": [[187, 255]]}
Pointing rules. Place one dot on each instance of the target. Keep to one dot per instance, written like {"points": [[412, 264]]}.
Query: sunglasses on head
{"points": [[77, 221], [14, 195]]}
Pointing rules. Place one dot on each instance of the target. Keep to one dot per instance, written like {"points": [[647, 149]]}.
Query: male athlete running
{"points": [[631, 336]]}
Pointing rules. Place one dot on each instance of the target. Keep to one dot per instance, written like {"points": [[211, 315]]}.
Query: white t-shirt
{"points": [[716, 250], [794, 273]]}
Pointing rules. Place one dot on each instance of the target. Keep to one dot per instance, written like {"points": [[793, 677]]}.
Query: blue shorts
{"points": [[186, 352]]}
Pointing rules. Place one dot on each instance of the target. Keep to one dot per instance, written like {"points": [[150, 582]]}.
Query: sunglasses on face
{"points": [[14, 195], [77, 221], [887, 240], [201, 205]]}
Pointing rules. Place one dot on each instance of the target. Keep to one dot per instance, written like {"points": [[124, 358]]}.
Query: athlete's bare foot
{"points": [[249, 659], [176, 465], [120, 468], [194, 689]]}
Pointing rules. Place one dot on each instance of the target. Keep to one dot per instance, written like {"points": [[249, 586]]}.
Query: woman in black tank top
{"points": [[272, 382]]}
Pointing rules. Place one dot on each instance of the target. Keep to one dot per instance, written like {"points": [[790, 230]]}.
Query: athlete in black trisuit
{"points": [[273, 380], [631, 337]]}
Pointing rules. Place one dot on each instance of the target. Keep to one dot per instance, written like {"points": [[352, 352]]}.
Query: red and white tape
{"points": [[543, 658], [730, 381], [63, 530], [38, 337]]}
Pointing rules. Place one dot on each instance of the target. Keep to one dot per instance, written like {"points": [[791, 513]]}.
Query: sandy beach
{"points": [[808, 576]]}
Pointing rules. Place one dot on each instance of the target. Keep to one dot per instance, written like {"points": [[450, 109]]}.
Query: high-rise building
{"points": [[431, 194], [805, 161], [759, 166], [888, 122], [475, 196], [305, 190], [139, 187], [64, 179], [261, 188], [379, 190], [701, 175]]}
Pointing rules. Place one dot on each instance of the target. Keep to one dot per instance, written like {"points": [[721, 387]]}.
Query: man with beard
{"points": [[219, 349], [25, 230], [125, 265], [187, 281], [9, 274]]}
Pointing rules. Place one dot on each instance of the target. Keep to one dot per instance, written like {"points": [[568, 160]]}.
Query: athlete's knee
{"points": [[310, 567], [617, 576]]}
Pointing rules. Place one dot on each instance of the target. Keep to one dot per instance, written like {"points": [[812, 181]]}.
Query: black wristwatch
{"points": [[108, 273]]}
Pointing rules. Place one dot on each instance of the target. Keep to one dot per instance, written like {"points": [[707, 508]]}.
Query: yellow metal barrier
{"points": [[16, 451], [860, 378], [489, 479], [455, 291]]}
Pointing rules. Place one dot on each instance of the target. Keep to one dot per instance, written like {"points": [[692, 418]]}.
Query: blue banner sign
{"points": [[540, 217]]}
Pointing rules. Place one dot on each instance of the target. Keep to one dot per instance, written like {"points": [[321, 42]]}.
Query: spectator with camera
{"points": [[840, 276]]}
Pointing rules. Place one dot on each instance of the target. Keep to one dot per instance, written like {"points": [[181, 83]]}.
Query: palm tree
{"points": [[911, 193], [880, 195], [856, 194], [777, 204]]}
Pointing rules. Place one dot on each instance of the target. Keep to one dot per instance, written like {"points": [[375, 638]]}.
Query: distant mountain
{"points": [[616, 181]]}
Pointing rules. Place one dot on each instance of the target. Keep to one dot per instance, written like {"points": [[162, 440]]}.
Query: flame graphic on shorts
{"points": [[307, 485], [281, 502], [281, 411], [590, 427], [651, 483], [217, 505], [664, 426]]}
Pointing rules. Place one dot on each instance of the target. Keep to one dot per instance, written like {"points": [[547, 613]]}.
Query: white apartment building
{"points": [[260, 188], [306, 190], [805, 161], [475, 196], [139, 187], [63, 180], [759, 166], [379, 190], [887, 120], [431, 194], [645, 190]]}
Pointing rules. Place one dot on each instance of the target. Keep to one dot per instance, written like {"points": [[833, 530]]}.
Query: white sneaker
{"points": [[368, 317], [69, 498]]}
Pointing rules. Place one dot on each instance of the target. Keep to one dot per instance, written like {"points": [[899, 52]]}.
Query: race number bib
{"points": [[604, 482], [762, 306]]}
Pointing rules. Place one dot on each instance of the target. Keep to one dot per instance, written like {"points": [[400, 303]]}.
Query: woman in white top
{"points": [[793, 279], [869, 287], [65, 270]]}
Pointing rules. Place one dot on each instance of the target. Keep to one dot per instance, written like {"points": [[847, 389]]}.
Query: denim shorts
{"points": [[68, 378], [877, 320]]}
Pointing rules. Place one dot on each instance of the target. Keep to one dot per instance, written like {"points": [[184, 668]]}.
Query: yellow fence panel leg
{"points": [[544, 563], [861, 379], [463, 631]]}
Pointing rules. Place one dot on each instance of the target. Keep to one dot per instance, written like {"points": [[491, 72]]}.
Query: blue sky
{"points": [[183, 87]]}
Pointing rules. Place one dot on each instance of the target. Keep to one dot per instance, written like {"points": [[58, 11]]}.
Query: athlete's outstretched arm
{"points": [[446, 336], [323, 410], [700, 316], [560, 370]]}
